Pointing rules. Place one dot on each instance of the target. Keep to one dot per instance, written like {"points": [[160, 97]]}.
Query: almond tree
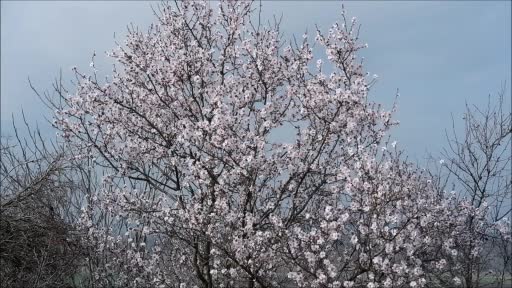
{"points": [[198, 193]]}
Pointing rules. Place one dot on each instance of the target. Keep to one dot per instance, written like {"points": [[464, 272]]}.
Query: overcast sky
{"points": [[439, 55]]}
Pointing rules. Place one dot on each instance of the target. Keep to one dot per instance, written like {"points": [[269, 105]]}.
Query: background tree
{"points": [[478, 165], [39, 201]]}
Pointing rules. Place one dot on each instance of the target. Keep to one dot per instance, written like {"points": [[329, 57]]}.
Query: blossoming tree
{"points": [[198, 192]]}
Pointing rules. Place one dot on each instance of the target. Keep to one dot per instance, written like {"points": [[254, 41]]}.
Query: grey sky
{"points": [[438, 55]]}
